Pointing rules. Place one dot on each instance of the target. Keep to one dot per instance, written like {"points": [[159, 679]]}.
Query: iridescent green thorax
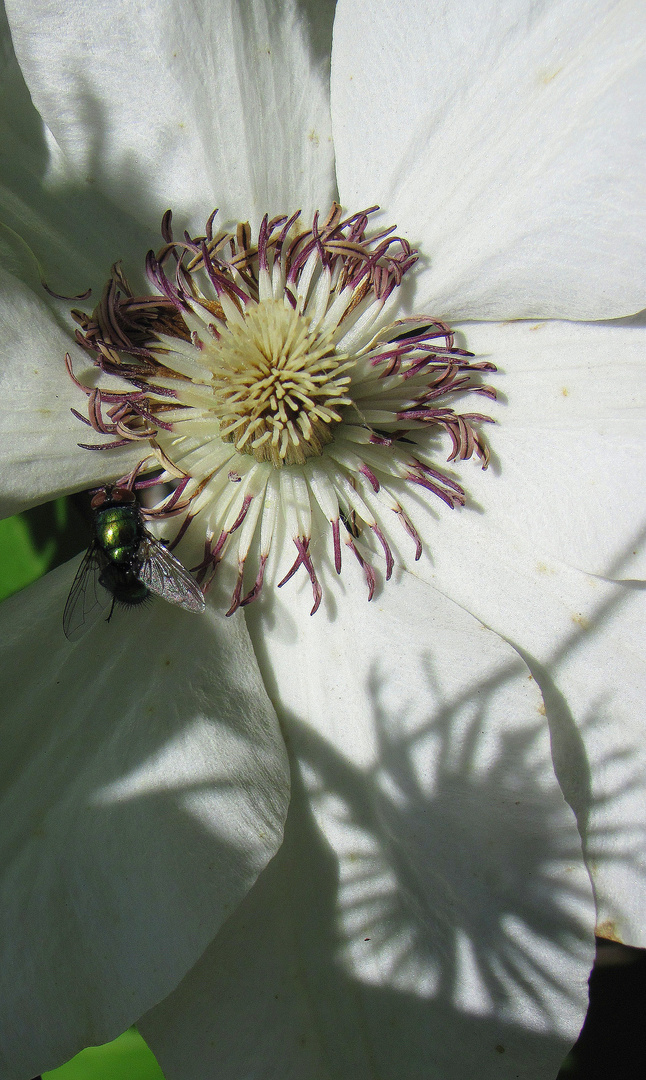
{"points": [[118, 532]]}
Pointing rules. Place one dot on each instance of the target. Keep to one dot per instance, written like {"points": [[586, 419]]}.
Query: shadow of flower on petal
{"points": [[427, 914], [455, 873]]}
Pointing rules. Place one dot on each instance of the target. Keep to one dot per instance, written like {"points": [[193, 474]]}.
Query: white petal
{"points": [[39, 455], [568, 475], [190, 106], [145, 786], [505, 141], [428, 910]]}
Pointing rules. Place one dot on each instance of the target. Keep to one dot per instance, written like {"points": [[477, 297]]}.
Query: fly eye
{"points": [[122, 495], [99, 499]]}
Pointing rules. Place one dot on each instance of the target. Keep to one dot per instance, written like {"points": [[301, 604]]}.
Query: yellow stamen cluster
{"points": [[278, 386]]}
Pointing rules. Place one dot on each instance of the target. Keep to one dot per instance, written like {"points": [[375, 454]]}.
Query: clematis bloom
{"points": [[464, 746]]}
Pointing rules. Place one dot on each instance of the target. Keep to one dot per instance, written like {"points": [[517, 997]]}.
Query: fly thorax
{"points": [[118, 532]]}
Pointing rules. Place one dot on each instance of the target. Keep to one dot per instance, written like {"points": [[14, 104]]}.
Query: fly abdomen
{"points": [[125, 587]]}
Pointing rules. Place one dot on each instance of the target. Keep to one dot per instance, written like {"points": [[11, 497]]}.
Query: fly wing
{"points": [[87, 598], [165, 576]]}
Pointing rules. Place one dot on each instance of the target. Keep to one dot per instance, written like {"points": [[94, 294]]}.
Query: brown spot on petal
{"points": [[581, 621], [608, 930]]}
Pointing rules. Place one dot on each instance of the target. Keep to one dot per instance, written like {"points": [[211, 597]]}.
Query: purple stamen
{"points": [[304, 559], [368, 570], [235, 599], [255, 592], [336, 536], [390, 562]]}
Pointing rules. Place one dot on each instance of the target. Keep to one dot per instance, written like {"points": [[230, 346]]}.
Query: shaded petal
{"points": [[39, 454], [191, 106], [67, 233], [428, 910], [145, 786], [17, 113], [506, 142]]}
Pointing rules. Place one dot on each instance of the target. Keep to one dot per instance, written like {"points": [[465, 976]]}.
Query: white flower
{"points": [[428, 912]]}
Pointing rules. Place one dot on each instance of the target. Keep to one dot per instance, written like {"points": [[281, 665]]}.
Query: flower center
{"points": [[278, 386]]}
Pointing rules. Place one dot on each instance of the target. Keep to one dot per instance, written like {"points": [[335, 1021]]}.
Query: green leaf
{"points": [[127, 1057], [38, 540], [21, 562]]}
